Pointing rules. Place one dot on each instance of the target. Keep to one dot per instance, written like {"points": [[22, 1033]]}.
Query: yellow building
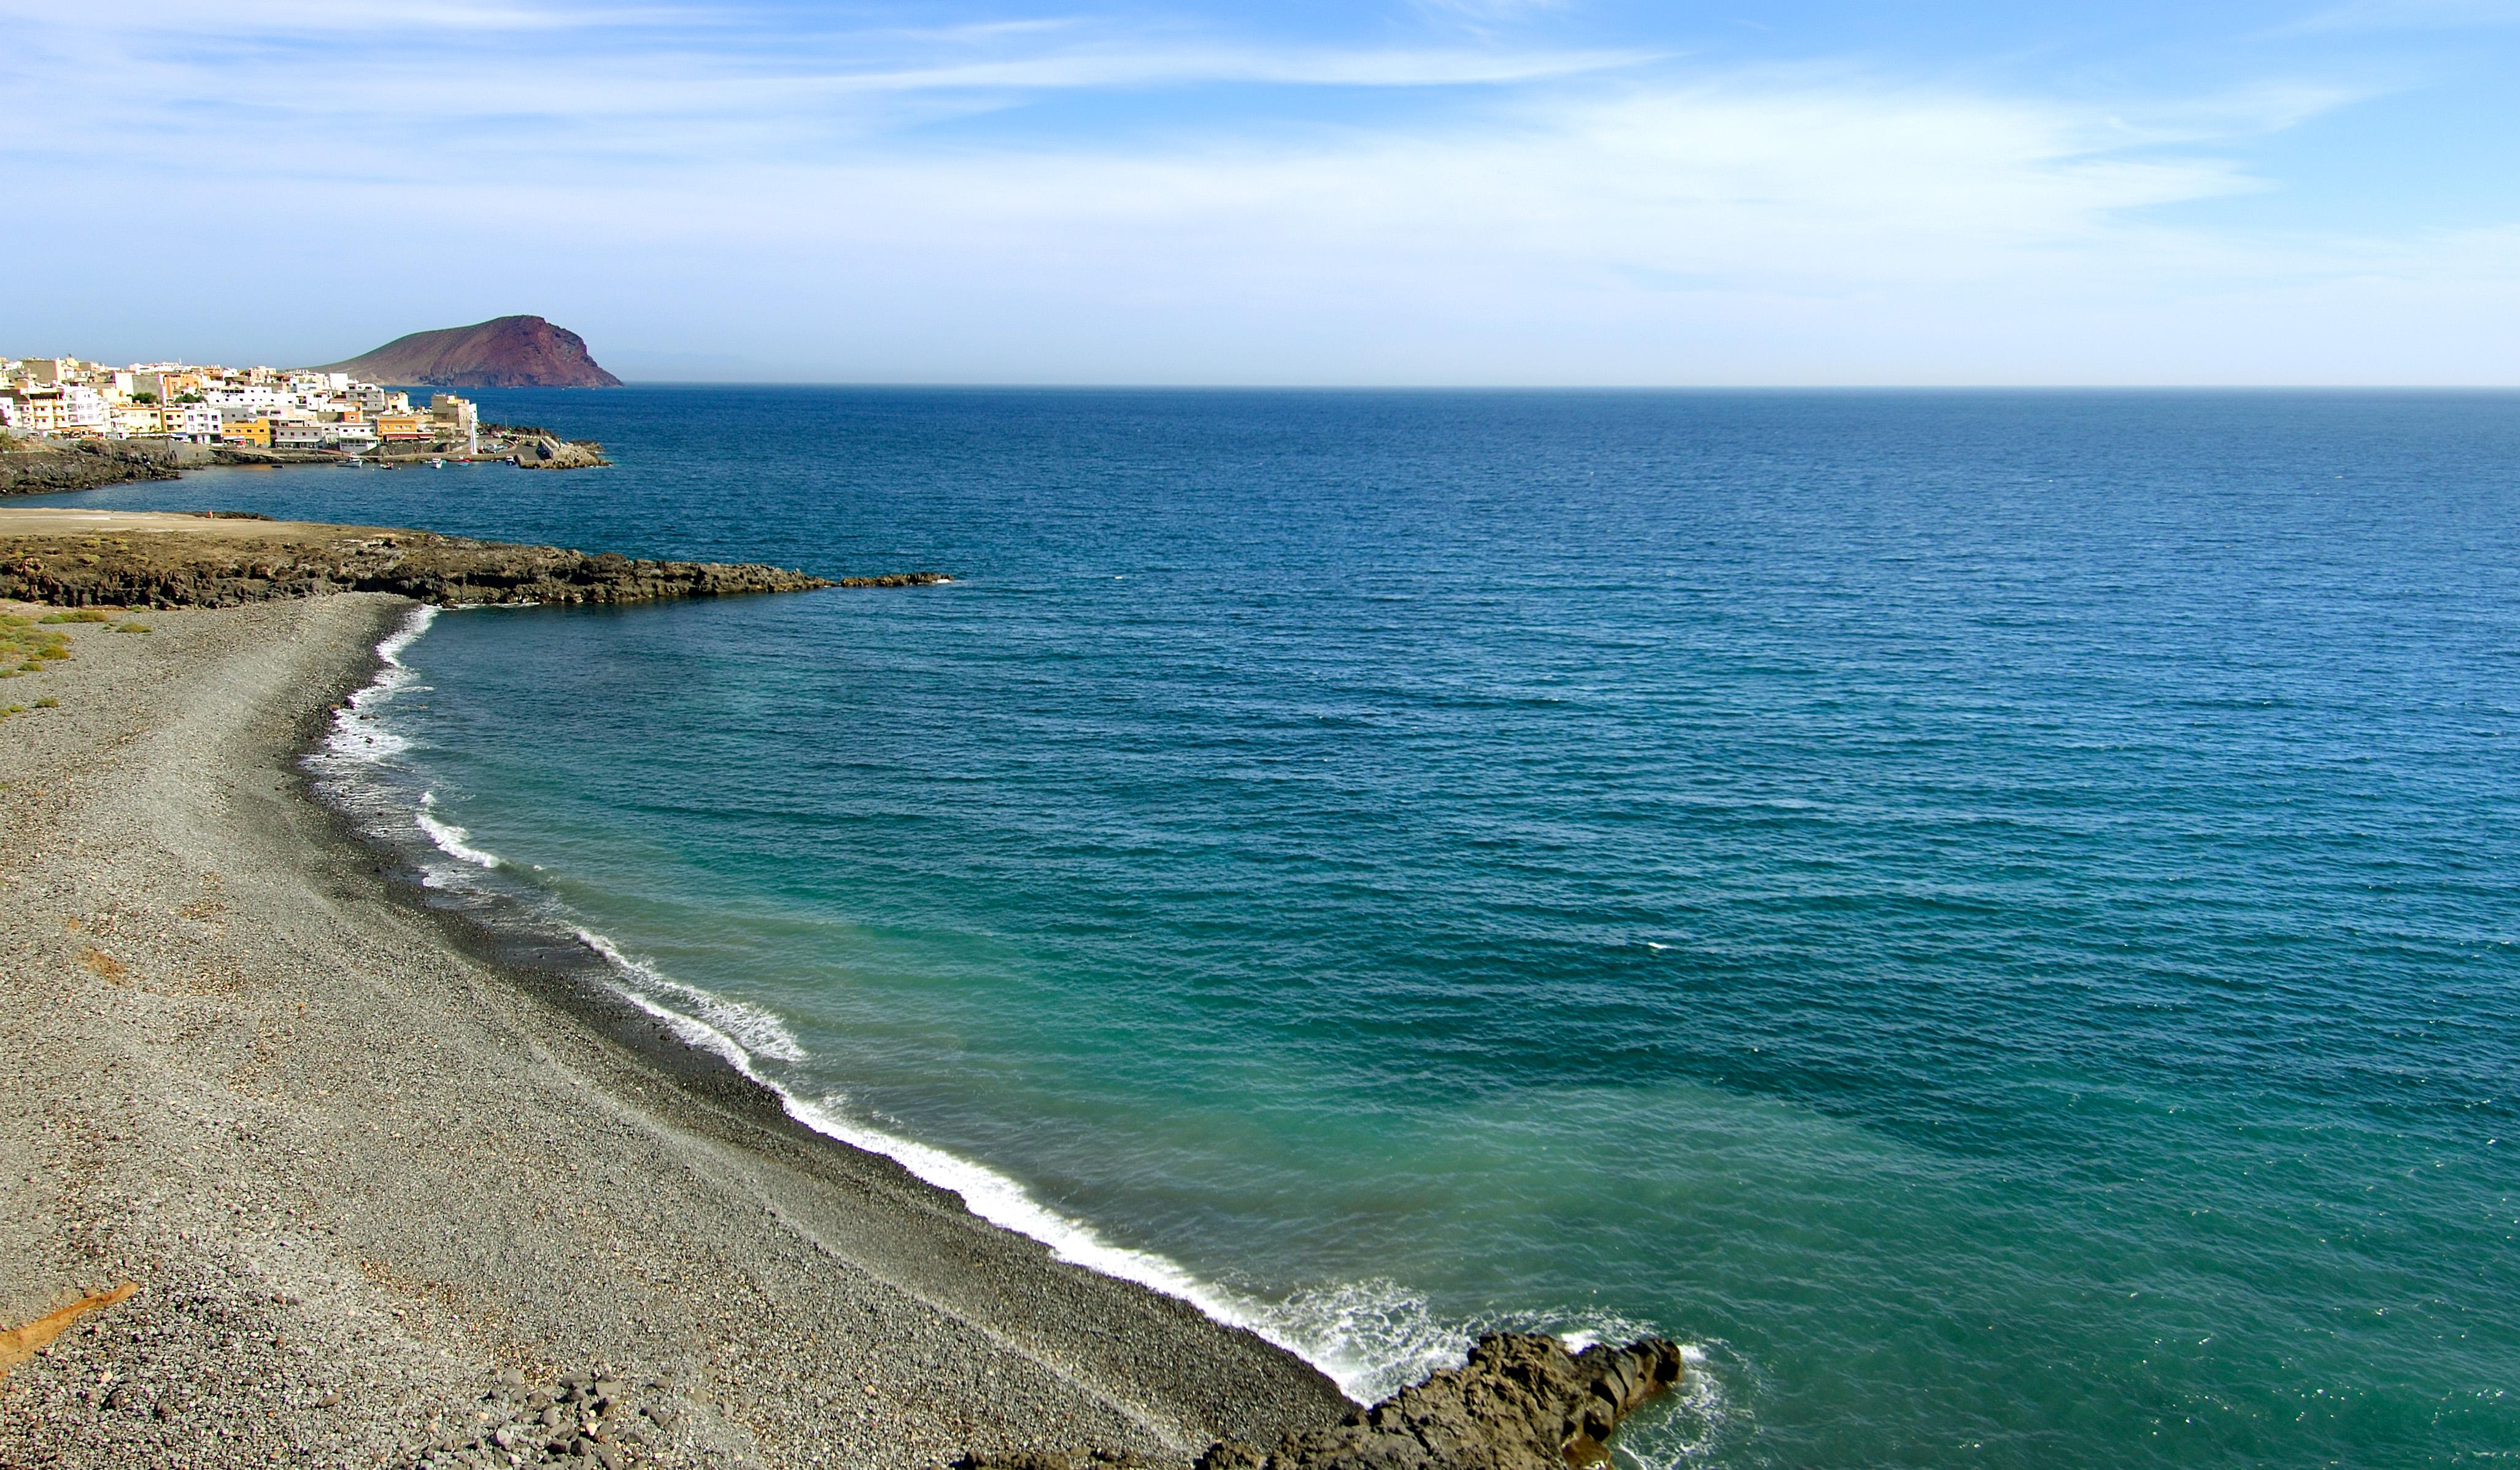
{"points": [[252, 432], [402, 427]]}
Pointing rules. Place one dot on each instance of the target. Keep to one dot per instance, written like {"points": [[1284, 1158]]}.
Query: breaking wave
{"points": [[1370, 1337]]}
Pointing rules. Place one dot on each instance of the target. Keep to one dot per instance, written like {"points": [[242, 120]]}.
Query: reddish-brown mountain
{"points": [[506, 352]]}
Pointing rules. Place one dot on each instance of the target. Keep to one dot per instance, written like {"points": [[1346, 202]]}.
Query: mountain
{"points": [[506, 352]]}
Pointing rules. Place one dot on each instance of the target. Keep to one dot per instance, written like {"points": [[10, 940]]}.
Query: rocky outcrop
{"points": [[545, 452], [1521, 1402], [34, 467], [159, 569], [504, 352], [898, 579]]}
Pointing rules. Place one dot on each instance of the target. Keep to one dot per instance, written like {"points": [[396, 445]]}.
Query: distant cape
{"points": [[504, 352]]}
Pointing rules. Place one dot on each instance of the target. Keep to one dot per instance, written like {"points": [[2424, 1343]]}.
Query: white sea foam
{"points": [[1685, 1429], [452, 841], [358, 733], [1370, 1337], [750, 1031], [391, 650]]}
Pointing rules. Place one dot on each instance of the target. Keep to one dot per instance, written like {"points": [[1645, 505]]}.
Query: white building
{"points": [[201, 422], [40, 411], [72, 409], [252, 401], [462, 415]]}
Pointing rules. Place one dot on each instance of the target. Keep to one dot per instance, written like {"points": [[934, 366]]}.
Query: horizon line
{"points": [[1510, 387]]}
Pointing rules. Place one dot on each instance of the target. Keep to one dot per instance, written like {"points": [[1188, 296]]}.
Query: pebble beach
{"points": [[389, 1198]]}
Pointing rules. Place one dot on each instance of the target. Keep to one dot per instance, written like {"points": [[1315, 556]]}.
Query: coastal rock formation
{"points": [[504, 352], [536, 450], [224, 561], [33, 467], [1521, 1402]]}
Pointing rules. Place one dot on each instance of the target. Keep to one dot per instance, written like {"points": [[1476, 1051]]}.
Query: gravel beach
{"points": [[390, 1199]]}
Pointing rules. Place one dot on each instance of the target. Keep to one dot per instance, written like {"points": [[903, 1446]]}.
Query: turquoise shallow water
{"points": [[1992, 916]]}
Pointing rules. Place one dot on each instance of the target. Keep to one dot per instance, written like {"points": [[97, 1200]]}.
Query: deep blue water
{"points": [[1993, 915]]}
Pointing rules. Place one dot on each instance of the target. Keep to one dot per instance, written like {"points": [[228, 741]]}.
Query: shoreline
{"points": [[581, 974], [399, 1183], [75, 556], [951, 1335]]}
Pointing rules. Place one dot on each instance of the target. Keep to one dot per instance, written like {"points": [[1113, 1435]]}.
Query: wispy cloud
{"points": [[2368, 16], [710, 183], [650, 80]]}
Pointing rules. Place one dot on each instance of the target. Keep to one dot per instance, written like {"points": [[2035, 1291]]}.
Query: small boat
{"points": [[437, 464]]}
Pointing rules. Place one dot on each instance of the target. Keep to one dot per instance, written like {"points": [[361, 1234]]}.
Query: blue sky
{"points": [[1428, 192]]}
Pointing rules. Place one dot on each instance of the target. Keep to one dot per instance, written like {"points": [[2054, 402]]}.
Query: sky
{"points": [[1423, 192]]}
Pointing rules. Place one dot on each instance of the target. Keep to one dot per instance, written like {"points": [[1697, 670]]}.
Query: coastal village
{"points": [[251, 408], [66, 423]]}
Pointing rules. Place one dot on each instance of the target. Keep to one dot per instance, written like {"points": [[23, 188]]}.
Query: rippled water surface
{"points": [[1992, 916]]}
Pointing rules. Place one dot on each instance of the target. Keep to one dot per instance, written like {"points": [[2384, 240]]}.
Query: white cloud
{"points": [[1556, 217]]}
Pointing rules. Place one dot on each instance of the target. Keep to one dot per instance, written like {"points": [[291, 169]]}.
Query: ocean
{"points": [[1994, 918]]}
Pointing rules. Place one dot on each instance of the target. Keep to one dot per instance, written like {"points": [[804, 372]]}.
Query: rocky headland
{"points": [[39, 467], [75, 558]]}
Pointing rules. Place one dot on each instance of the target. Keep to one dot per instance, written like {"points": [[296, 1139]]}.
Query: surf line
{"points": [[1320, 1327], [998, 1198]]}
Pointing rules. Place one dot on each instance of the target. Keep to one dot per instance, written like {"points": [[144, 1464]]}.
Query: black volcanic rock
{"points": [[35, 468], [504, 352], [1521, 1402], [292, 560]]}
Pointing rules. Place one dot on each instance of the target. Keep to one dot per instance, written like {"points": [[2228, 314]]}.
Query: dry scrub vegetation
{"points": [[33, 640]]}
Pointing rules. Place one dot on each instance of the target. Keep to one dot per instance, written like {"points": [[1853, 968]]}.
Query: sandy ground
{"points": [[384, 1197], [71, 520]]}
